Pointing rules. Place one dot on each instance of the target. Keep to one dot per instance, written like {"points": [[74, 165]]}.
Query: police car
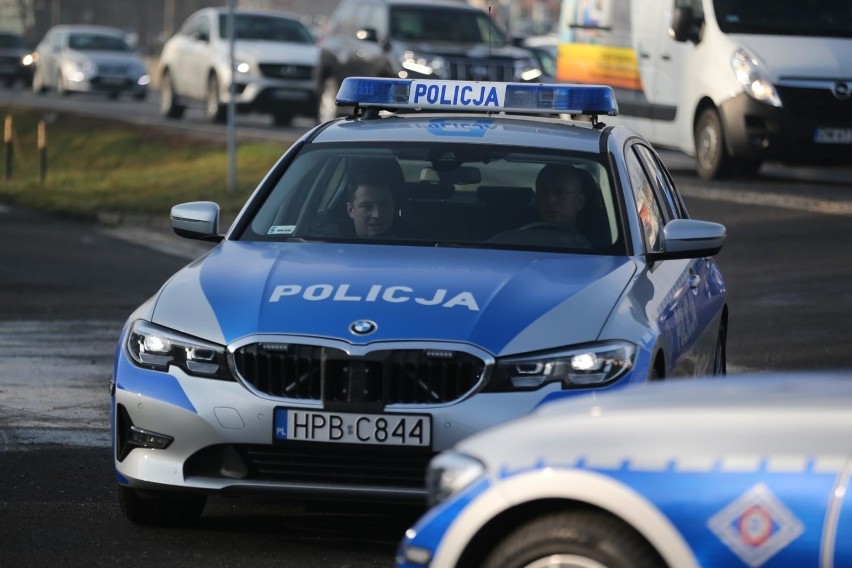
{"points": [[391, 288], [748, 471]]}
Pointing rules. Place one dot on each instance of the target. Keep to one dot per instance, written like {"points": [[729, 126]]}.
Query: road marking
{"points": [[795, 202]]}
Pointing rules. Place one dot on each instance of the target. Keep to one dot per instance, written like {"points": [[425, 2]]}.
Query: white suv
{"points": [[275, 58]]}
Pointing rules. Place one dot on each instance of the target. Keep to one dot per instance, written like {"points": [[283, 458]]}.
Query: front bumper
{"points": [[222, 439], [756, 130]]}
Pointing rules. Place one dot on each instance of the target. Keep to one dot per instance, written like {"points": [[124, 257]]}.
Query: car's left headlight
{"points": [[527, 70], [582, 366], [450, 472], [156, 347], [754, 83], [427, 65]]}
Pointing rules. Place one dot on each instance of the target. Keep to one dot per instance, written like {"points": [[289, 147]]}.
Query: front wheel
{"points": [[160, 508], [169, 106], [327, 106], [214, 110], [712, 159], [720, 359], [574, 539]]}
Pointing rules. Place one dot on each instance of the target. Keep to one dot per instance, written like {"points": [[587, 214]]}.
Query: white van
{"points": [[731, 82]]}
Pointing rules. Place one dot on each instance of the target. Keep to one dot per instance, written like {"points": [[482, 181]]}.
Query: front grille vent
{"points": [[385, 376]]}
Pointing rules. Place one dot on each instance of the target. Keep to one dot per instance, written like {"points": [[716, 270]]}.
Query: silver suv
{"points": [[275, 59]]}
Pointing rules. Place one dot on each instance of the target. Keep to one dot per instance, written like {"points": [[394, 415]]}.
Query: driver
{"points": [[559, 195]]}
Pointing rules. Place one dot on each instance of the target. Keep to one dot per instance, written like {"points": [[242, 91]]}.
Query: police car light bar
{"points": [[477, 96]]}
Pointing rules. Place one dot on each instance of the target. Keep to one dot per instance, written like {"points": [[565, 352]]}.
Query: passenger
{"points": [[371, 206]]}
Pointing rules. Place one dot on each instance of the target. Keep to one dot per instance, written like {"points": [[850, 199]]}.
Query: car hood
{"points": [[816, 57], [502, 301], [277, 52]]}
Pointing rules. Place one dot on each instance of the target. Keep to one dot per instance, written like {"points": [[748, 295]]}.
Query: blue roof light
{"points": [[477, 96]]}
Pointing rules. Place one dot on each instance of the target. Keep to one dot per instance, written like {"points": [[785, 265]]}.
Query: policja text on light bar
{"points": [[476, 96]]}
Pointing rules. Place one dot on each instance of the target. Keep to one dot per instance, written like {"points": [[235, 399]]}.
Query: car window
{"points": [[443, 24], [96, 42], [647, 207], [9, 40], [661, 182], [441, 194], [265, 28]]}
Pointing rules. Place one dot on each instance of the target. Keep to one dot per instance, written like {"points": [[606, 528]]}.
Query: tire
{"points": [[169, 106], [574, 539], [61, 89], [214, 110], [38, 82], [282, 118], [327, 108], [160, 509], [720, 359], [711, 156]]}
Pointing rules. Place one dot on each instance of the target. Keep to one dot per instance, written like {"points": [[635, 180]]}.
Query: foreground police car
{"points": [[297, 358], [747, 471]]}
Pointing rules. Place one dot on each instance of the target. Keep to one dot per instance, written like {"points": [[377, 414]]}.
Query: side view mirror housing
{"points": [[690, 238], [196, 220]]}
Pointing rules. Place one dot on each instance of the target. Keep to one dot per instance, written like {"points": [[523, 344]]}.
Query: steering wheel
{"points": [[545, 226]]}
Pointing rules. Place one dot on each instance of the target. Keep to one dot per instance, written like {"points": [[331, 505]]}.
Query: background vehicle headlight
{"points": [[584, 366], [422, 64], [748, 73], [156, 347], [527, 70], [450, 472], [242, 66]]}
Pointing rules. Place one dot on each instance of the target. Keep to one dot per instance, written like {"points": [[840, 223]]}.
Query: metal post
{"points": [[232, 105], [42, 151], [7, 148]]}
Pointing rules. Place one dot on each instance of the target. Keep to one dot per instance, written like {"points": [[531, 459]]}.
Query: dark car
{"points": [[16, 60], [416, 39]]}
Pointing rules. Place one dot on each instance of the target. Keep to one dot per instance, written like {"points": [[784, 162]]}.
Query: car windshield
{"points": [[97, 42], [438, 195], [818, 18], [266, 28], [9, 40], [444, 24]]}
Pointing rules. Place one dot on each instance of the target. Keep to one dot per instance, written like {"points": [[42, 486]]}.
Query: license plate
{"points": [[283, 95], [112, 81], [833, 136], [346, 428]]}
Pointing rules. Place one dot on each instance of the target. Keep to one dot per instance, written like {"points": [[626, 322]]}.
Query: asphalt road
{"points": [[66, 288]]}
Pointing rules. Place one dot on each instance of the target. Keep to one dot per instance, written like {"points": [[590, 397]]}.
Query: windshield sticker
{"points": [[375, 293], [281, 230], [448, 127]]}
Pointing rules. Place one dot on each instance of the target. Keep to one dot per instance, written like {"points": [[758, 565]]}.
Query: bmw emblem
{"points": [[363, 327], [841, 91]]}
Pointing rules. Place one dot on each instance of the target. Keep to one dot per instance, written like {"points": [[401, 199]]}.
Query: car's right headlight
{"points": [[449, 472], [754, 83], [581, 366], [156, 347]]}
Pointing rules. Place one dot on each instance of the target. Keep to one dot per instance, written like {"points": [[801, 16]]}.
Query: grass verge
{"points": [[98, 166]]}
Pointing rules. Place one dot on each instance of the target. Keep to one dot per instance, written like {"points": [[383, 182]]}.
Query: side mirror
{"points": [[690, 238], [197, 220], [201, 36], [684, 24]]}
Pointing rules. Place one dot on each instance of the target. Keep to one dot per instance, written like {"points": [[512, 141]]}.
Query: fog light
{"points": [[147, 439]]}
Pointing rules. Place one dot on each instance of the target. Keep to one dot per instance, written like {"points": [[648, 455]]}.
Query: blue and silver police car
{"points": [[716, 472], [451, 256]]}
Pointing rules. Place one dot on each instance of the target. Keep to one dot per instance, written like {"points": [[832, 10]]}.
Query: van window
{"points": [[816, 18]]}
